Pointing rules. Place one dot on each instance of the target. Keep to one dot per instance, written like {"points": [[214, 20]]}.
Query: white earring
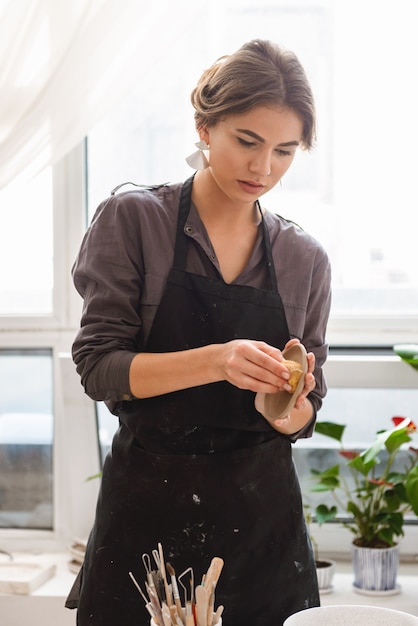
{"points": [[198, 160]]}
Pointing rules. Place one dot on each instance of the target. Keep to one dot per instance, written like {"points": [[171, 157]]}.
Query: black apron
{"points": [[202, 472]]}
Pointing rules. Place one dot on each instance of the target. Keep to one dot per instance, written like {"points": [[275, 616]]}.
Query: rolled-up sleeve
{"points": [[108, 274], [304, 280]]}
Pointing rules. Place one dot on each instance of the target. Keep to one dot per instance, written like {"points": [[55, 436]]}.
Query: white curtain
{"points": [[64, 63]]}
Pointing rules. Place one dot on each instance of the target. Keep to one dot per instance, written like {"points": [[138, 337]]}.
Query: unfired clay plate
{"points": [[273, 406]]}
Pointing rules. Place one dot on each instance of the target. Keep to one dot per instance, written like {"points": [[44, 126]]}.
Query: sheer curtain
{"points": [[64, 64]]}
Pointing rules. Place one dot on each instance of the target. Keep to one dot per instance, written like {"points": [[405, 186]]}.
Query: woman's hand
{"points": [[246, 364], [253, 365], [302, 412]]}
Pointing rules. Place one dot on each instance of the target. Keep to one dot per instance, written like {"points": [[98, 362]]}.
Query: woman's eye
{"points": [[244, 142], [283, 152]]}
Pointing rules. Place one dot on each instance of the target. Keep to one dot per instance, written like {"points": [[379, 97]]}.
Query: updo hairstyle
{"points": [[259, 73]]}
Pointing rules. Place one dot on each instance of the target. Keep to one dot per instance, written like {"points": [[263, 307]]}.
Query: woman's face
{"points": [[250, 152]]}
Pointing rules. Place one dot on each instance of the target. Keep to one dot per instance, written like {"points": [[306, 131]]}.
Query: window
{"points": [[341, 192], [365, 400], [26, 248], [26, 437], [354, 192], [44, 462], [366, 389]]}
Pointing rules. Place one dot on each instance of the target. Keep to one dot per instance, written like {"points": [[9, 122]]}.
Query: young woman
{"points": [[191, 292]]}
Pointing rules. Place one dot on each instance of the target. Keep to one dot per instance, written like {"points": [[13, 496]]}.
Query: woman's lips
{"points": [[250, 186]]}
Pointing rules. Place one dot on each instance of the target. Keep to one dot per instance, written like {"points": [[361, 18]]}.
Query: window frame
{"points": [[75, 413], [371, 331]]}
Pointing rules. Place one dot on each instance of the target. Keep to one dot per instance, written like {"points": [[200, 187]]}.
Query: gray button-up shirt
{"points": [[123, 265]]}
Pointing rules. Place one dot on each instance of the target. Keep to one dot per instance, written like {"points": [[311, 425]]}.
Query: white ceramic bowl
{"points": [[351, 615]]}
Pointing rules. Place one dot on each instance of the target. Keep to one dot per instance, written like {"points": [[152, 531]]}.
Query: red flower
{"points": [[379, 482], [349, 454], [398, 420]]}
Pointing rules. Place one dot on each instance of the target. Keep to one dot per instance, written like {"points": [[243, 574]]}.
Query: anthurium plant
{"points": [[378, 496]]}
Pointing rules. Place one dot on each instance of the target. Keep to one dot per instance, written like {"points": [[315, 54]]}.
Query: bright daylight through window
{"points": [[340, 192], [355, 192], [26, 435], [26, 248]]}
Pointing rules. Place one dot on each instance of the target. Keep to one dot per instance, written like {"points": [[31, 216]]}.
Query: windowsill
{"points": [[343, 593], [48, 599], [57, 586], [45, 605]]}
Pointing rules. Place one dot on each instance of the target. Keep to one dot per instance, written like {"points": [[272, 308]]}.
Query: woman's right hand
{"points": [[253, 365], [246, 364]]}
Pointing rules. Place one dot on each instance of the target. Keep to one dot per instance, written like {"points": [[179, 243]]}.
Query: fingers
{"points": [[256, 366], [311, 361], [309, 384]]}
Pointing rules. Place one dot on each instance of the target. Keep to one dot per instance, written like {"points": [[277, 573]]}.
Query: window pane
{"points": [[354, 192], [364, 411], [26, 437], [26, 247]]}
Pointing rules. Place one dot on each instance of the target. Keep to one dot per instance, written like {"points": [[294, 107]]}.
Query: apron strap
{"points": [[180, 251], [269, 254]]}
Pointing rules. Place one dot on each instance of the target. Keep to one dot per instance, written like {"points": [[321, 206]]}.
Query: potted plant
{"points": [[375, 495], [325, 568]]}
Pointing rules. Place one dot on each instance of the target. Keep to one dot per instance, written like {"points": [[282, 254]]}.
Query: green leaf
{"points": [[396, 439], [94, 476], [393, 499], [387, 535], [412, 488], [326, 484], [325, 514], [328, 480], [359, 464], [330, 429], [353, 509], [330, 471], [396, 523], [391, 439], [377, 446], [408, 353], [391, 524]]}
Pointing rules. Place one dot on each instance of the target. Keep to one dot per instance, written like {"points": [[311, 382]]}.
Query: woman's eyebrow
{"points": [[255, 136]]}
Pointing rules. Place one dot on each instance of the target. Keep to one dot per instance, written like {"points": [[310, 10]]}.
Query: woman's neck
{"points": [[214, 206], [231, 227]]}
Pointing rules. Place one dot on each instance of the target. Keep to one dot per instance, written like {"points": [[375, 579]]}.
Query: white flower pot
{"points": [[325, 573], [375, 569]]}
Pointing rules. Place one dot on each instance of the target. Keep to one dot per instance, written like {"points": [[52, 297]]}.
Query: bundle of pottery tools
{"points": [[162, 599]]}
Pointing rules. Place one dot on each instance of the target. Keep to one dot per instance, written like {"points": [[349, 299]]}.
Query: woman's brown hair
{"points": [[259, 73]]}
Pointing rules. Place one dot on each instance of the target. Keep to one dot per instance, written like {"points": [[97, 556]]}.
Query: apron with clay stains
{"points": [[202, 472]]}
